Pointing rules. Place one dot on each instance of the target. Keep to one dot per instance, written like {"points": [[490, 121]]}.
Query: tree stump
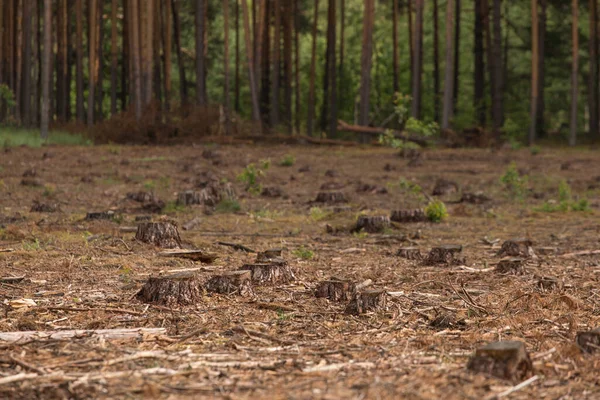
{"points": [[336, 290], [410, 253], [104, 215], [332, 186], [446, 320], [506, 360], [194, 255], [445, 254], [371, 189], [516, 248], [444, 187], [142, 197], [513, 265], [201, 197], [331, 197], [589, 341], [173, 290], [270, 273], [272, 192], [31, 182], [368, 300], [403, 216], [233, 282], [372, 224], [43, 207], [474, 198], [161, 234], [269, 256]]}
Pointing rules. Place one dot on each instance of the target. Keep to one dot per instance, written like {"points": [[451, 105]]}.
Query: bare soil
{"points": [[281, 341]]}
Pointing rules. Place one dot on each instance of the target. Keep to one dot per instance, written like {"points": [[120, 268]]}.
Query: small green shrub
{"points": [[303, 253], [318, 214], [436, 211], [228, 206], [535, 150], [565, 201], [514, 182], [251, 175], [173, 207], [288, 160], [49, 190], [581, 205], [360, 234]]}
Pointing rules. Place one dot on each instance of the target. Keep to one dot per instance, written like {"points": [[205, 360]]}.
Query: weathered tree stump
{"points": [[371, 189], [233, 282], [332, 186], [446, 320], [368, 300], [372, 224], [410, 253], [178, 289], [336, 290], [272, 192], [506, 360], [444, 187], [43, 207], [270, 273], [589, 342], [341, 209], [142, 197], [31, 182], [192, 197], [331, 197], [516, 248], [446, 254], [143, 218], [403, 216], [331, 173], [104, 215], [195, 255], [269, 256], [31, 172], [513, 265], [161, 234], [474, 198]]}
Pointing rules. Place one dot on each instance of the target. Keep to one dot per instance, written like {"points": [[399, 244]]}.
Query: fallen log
{"points": [[375, 131], [104, 333]]}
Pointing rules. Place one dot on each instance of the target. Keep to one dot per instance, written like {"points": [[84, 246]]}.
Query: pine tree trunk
{"points": [[411, 37], [35, 87], [593, 76], [177, 33], [297, 63], [396, 56], [98, 113], [366, 63], [252, 78], [479, 68], [535, 36], [310, 120], [341, 81], [226, 101], [436, 63], [541, 107], [167, 49], [574, 74], [417, 60], [264, 50], [489, 51], [135, 51], [200, 61], [287, 63], [331, 28], [449, 67], [79, 63], [237, 58], [455, 85], [46, 68], [498, 93], [275, 67], [61, 60], [113, 58], [92, 21], [26, 66]]}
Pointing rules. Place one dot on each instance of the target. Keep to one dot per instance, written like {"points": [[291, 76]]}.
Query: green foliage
{"points": [[173, 207], [419, 127], [288, 160], [7, 96], [564, 192], [318, 214], [251, 175], [14, 137], [49, 190], [32, 245], [125, 273], [389, 140], [581, 205], [228, 206], [360, 234], [565, 201], [514, 182], [303, 253], [535, 150], [149, 184], [436, 211]]}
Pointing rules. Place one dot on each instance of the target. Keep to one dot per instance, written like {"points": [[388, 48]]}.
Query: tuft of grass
{"points": [[150, 159], [172, 207], [360, 234], [251, 175], [318, 214], [149, 184], [288, 160], [565, 201], [514, 182], [228, 206], [303, 253], [436, 211], [14, 137], [49, 190], [535, 150]]}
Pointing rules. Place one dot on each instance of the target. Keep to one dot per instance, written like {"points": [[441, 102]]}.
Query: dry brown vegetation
{"points": [[276, 339]]}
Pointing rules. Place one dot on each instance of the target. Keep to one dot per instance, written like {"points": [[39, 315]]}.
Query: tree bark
{"points": [[297, 63], [541, 107], [113, 58], [275, 67], [135, 50], [449, 67], [593, 76], [313, 71], [252, 78], [479, 68], [331, 25], [417, 60], [396, 56], [200, 61], [79, 64], [455, 85], [26, 66], [366, 61], [341, 82], [237, 58], [148, 56], [264, 49], [98, 113], [498, 93], [287, 63], [226, 101], [35, 87], [436, 63], [167, 46], [535, 36], [46, 68], [411, 36], [92, 21], [574, 73], [177, 34]]}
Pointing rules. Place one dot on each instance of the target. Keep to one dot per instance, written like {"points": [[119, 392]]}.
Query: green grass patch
{"points": [[228, 206], [436, 211], [150, 159], [303, 253], [14, 137], [288, 160], [172, 207]]}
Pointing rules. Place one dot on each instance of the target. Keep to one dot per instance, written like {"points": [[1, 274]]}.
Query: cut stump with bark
{"points": [[513, 265], [516, 248], [403, 216], [269, 256], [372, 224], [270, 273], [505, 360], [410, 253], [336, 290], [199, 197], [368, 300], [194, 255], [179, 289], [233, 282], [589, 342], [43, 207], [446, 254], [331, 197], [444, 187], [161, 234], [104, 215]]}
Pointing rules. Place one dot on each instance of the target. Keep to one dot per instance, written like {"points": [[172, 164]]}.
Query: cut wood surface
{"points": [[132, 333]]}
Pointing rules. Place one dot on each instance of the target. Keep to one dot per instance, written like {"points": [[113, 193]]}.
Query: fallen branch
{"points": [[237, 246], [516, 388], [373, 131], [581, 253], [83, 309], [6, 250], [104, 333]]}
